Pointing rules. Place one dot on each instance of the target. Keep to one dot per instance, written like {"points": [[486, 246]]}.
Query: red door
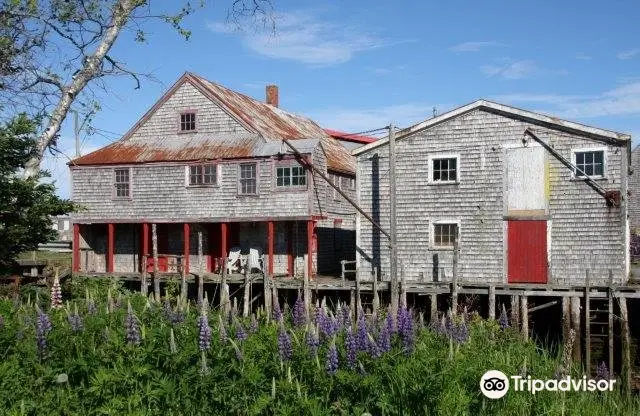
{"points": [[527, 251]]}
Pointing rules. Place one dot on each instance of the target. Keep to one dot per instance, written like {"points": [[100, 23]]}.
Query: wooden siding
{"points": [[634, 188], [584, 232]]}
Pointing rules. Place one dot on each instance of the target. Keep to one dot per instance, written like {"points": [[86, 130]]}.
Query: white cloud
{"points": [[474, 46], [356, 120], [620, 101], [512, 70], [301, 37], [624, 55]]}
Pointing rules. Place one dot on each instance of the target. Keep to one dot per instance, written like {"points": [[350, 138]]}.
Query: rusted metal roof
{"points": [[268, 126], [356, 138]]}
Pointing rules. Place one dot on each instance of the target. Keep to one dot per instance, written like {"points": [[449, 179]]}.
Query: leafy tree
{"points": [[55, 53], [26, 204]]}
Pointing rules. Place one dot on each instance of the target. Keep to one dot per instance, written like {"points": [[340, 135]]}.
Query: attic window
{"points": [[444, 169], [188, 121]]}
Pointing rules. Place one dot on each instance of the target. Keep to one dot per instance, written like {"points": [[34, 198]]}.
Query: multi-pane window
{"points": [[122, 183], [202, 175], [248, 179], [444, 234], [444, 169], [290, 176], [591, 163], [187, 121]]}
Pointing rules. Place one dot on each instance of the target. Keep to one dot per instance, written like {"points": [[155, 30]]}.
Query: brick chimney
{"points": [[272, 95]]}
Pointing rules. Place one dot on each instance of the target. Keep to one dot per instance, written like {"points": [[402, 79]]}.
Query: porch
{"points": [[285, 247]]}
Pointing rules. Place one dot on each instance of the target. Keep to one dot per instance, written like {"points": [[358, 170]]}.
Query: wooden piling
{"points": [[515, 311], [626, 345], [433, 300], [358, 298], [306, 294], [566, 318], [224, 294], [454, 279], [376, 296], [143, 278], [575, 324], [183, 286], [154, 248], [492, 302], [403, 289], [352, 304], [266, 290], [524, 317], [610, 313], [247, 293], [587, 324]]}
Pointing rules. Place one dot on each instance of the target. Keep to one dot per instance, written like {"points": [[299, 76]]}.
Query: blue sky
{"points": [[360, 65]]}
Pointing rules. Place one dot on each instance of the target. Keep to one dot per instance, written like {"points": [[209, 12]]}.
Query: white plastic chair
{"points": [[255, 260], [233, 260]]}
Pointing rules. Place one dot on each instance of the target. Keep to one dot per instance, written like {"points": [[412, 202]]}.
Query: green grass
{"points": [[95, 371], [52, 257]]}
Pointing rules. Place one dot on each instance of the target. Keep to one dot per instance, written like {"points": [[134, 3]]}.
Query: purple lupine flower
{"points": [[318, 315], [504, 319], [362, 340], [328, 325], [405, 329], [43, 327], [91, 307], [384, 339], [253, 327], [75, 321], [284, 345], [312, 342], [602, 372], [388, 322], [56, 294], [277, 312], [372, 347], [222, 330], [299, 314], [332, 359], [204, 332], [346, 315], [132, 327], [449, 325], [461, 332], [241, 334], [351, 346]]}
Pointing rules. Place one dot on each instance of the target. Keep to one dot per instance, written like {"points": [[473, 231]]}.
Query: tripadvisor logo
{"points": [[494, 384]]}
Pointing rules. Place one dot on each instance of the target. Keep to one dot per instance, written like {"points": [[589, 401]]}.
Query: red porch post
{"points": [[145, 245], [290, 249], [187, 249], [110, 246], [76, 247], [223, 242], [270, 239], [310, 247]]}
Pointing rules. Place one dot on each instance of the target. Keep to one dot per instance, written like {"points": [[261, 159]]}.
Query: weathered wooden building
{"points": [[634, 192], [524, 208], [210, 168]]}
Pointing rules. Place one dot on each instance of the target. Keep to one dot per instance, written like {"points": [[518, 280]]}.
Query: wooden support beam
{"points": [[310, 248], [575, 323], [247, 293], [266, 290], [358, 297], [454, 279], [145, 244], [224, 231], [270, 246], [290, 270], [154, 248], [515, 311], [492, 302], [224, 294], [186, 241], [566, 319], [76, 248], [524, 317], [306, 295], [626, 346], [110, 246], [433, 301], [543, 306], [376, 296], [610, 321], [587, 324], [144, 286]]}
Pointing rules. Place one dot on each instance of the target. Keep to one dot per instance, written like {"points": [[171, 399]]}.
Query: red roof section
{"points": [[268, 123], [357, 138]]}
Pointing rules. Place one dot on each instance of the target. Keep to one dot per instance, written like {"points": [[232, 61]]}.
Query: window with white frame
{"points": [[122, 183], [188, 121], [248, 179], [444, 234], [200, 175], [444, 169], [290, 176], [591, 162]]}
